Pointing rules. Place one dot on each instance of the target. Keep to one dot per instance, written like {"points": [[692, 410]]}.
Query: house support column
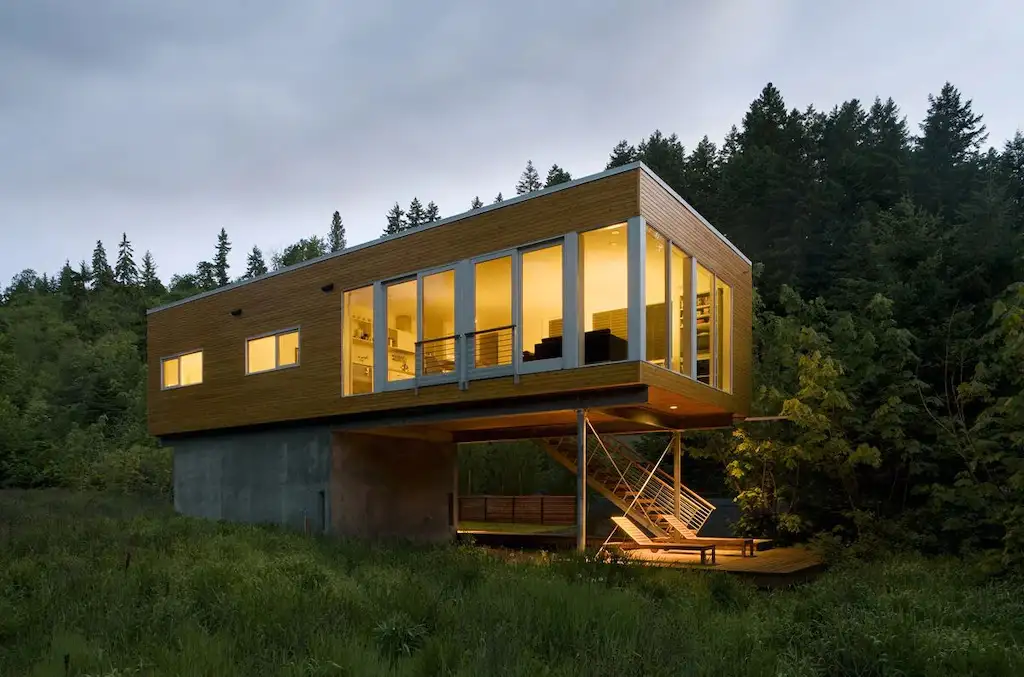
{"points": [[581, 480], [677, 470]]}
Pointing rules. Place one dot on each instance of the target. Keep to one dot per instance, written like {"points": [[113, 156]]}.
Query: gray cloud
{"points": [[170, 120]]}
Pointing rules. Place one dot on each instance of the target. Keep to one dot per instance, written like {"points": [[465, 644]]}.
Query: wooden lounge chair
{"points": [[745, 544], [644, 542]]}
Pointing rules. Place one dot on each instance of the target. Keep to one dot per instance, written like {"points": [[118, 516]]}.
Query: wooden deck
{"points": [[776, 566]]}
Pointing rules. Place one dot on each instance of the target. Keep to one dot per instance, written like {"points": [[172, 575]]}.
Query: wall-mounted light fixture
{"points": [[236, 312], [327, 288]]}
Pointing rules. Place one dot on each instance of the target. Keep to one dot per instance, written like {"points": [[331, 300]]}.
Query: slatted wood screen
{"points": [[535, 509]]}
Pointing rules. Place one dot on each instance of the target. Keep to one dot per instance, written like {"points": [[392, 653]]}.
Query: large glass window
{"points": [[438, 347], [183, 370], [654, 290], [705, 282], [723, 335], [400, 300], [542, 303], [274, 351], [603, 256], [680, 321], [492, 342], [357, 351]]}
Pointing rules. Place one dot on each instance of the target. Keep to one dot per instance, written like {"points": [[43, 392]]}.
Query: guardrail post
{"points": [[581, 480], [677, 470]]}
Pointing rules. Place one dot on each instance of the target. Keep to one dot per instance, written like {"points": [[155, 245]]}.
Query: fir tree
{"points": [[529, 181], [126, 273], [255, 265], [396, 221], [622, 154], [665, 156], [476, 203], [148, 277], [498, 198], [102, 275], [416, 216], [702, 178], [336, 238], [432, 213], [220, 259], [557, 175]]}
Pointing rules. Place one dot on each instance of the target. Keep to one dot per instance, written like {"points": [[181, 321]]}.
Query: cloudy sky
{"points": [[169, 120]]}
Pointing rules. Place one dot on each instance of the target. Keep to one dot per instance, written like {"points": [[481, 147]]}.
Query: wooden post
{"points": [[677, 471], [581, 480]]}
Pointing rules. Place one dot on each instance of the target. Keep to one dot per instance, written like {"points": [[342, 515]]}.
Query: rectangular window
{"points": [[603, 255], [705, 281], [723, 335], [542, 303], [274, 351], [437, 350], [357, 350], [183, 370], [400, 300], [492, 343], [680, 309], [654, 290]]}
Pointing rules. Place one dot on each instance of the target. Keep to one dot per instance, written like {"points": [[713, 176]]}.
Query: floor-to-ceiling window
{"points": [[680, 308], [541, 274], [357, 348], [400, 304], [723, 335], [705, 358], [605, 277], [492, 343], [654, 291], [437, 351]]}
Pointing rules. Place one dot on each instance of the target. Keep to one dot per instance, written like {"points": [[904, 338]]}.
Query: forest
{"points": [[889, 331]]}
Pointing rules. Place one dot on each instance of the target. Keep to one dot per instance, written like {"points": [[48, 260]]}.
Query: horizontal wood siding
{"points": [[665, 213], [531, 509], [229, 398]]}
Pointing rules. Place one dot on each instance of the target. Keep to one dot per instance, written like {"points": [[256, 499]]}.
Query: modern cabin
{"points": [[332, 394]]}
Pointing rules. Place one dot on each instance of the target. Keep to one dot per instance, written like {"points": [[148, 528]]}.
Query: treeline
{"points": [[889, 329]]}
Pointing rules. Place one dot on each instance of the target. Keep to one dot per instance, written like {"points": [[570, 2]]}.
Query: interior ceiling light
{"points": [[673, 406]]}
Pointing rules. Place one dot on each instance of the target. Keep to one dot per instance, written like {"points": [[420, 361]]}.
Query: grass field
{"points": [[97, 585]]}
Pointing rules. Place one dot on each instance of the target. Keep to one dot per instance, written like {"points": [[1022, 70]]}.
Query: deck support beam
{"points": [[581, 480], [677, 470]]}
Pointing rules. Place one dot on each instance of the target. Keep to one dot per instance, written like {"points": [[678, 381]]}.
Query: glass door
{"points": [[540, 316], [491, 342], [437, 346]]}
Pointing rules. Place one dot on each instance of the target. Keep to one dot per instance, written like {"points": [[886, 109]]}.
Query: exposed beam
{"points": [[537, 432], [661, 421]]}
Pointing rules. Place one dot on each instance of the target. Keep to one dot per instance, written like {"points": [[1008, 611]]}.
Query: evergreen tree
{"points": [[1010, 172], [102, 275], [887, 154], [206, 276], [702, 178], [126, 273], [666, 156], [622, 154], [498, 198], [529, 181], [476, 203], [220, 259], [255, 266], [336, 238], [396, 221], [432, 213], [416, 216], [85, 273], [557, 175], [150, 281]]}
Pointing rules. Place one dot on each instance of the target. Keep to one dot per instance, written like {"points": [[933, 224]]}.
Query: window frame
{"points": [[277, 357], [346, 342], [178, 356], [579, 272], [519, 304]]}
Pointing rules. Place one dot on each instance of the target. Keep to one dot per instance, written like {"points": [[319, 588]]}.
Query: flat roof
{"points": [[465, 215]]}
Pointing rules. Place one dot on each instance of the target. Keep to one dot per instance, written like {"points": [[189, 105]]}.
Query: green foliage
{"points": [[529, 181], [126, 587], [557, 175], [220, 259], [336, 236], [255, 265], [306, 249]]}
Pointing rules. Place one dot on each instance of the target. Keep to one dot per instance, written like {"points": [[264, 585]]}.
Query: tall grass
{"points": [[97, 585]]}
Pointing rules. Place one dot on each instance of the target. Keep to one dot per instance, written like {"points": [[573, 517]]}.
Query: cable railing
{"points": [[493, 347], [436, 356], [460, 357]]}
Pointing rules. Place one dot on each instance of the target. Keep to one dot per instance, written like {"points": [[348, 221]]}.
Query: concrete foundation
{"points": [[350, 485]]}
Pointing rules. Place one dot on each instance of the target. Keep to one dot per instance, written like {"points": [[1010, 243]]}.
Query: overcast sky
{"points": [[169, 120]]}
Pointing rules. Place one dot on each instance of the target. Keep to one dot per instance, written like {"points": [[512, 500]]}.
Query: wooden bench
{"points": [[642, 541]]}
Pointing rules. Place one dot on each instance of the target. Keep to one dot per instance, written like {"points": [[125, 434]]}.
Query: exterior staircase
{"points": [[622, 476]]}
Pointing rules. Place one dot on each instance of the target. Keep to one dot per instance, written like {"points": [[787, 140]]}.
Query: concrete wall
{"points": [[385, 487], [277, 476]]}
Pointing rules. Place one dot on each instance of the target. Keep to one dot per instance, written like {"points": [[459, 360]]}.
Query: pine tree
{"points": [[415, 217], [432, 213], [396, 221], [557, 175], [529, 181], [666, 156], [887, 151], [336, 238], [255, 265], [84, 273], [498, 198], [622, 154], [702, 178], [220, 259], [476, 203], [148, 277], [126, 273], [102, 275], [1010, 170]]}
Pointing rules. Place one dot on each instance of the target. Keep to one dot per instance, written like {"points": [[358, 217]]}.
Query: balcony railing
{"points": [[463, 357]]}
